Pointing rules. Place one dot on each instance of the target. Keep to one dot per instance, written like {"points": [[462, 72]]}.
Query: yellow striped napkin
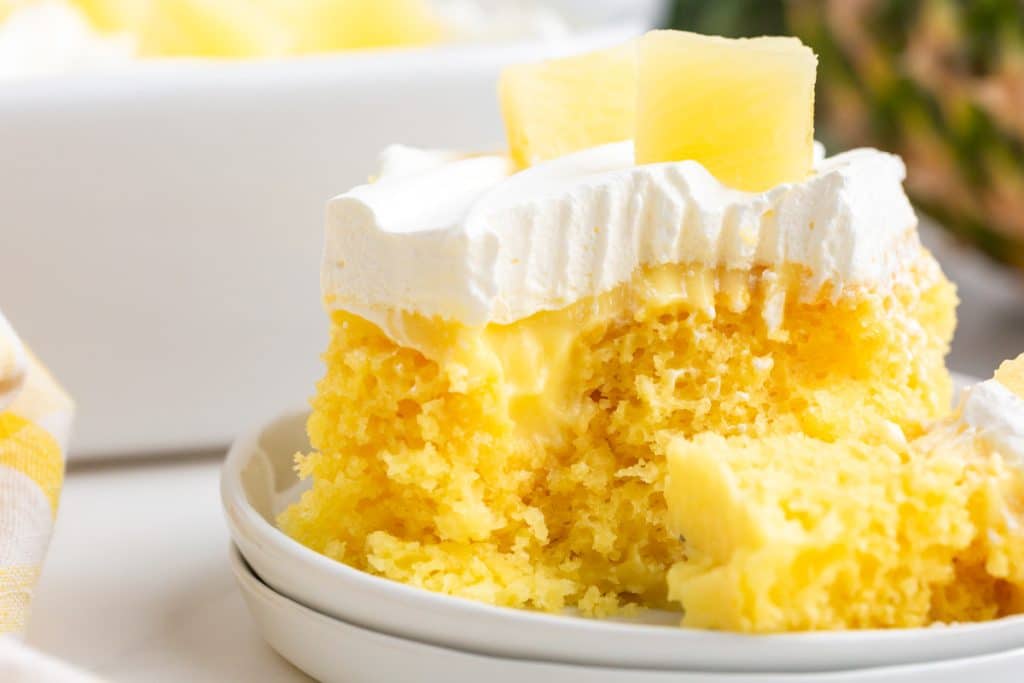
{"points": [[35, 421]]}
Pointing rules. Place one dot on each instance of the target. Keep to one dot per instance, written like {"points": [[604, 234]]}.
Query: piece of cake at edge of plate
{"points": [[512, 348], [794, 533]]}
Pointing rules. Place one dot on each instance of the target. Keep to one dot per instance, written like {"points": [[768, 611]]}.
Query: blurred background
{"points": [[166, 163]]}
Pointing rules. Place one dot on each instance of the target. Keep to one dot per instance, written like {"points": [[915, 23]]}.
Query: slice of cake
{"points": [[790, 532], [512, 350]]}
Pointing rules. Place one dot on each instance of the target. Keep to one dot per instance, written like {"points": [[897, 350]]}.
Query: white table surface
{"points": [[137, 585]]}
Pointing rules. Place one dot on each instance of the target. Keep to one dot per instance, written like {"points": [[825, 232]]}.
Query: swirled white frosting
{"points": [[469, 240], [997, 415]]}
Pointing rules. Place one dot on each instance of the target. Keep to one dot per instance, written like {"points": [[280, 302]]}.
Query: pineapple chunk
{"points": [[742, 108], [328, 25], [212, 28], [564, 105], [264, 28], [114, 16], [1011, 375]]}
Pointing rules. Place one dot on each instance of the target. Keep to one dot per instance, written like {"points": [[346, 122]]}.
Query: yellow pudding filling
{"points": [[525, 464], [794, 533]]}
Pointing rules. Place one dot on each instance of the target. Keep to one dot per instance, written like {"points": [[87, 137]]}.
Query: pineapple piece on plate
{"points": [[560, 106], [742, 108]]}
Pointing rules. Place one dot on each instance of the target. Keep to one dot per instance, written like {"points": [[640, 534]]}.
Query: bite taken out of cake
{"points": [[791, 532], [518, 339]]}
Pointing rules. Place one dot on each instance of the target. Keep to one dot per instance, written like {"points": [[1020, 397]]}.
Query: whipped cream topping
{"points": [[13, 363], [469, 240], [997, 415]]}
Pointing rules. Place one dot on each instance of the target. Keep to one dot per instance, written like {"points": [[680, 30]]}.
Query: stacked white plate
{"points": [[340, 624]]}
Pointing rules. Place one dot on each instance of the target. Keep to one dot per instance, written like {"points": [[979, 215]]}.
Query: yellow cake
{"points": [[791, 532], [512, 351]]}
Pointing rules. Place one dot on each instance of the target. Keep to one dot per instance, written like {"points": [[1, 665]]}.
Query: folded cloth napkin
{"points": [[35, 421]]}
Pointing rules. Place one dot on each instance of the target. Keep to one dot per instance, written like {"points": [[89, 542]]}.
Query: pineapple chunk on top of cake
{"points": [[794, 533], [742, 108], [559, 106]]}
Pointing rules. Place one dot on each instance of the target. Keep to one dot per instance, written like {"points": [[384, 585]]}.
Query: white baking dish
{"points": [[161, 225]]}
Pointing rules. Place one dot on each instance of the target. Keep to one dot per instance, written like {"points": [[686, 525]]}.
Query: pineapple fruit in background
{"points": [[559, 106], [939, 82], [744, 109]]}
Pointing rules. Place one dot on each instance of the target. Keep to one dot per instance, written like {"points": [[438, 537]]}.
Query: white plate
{"points": [[258, 480], [162, 224], [334, 651]]}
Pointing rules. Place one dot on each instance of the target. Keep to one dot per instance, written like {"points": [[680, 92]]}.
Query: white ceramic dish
{"points": [[258, 480], [162, 223], [334, 651]]}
